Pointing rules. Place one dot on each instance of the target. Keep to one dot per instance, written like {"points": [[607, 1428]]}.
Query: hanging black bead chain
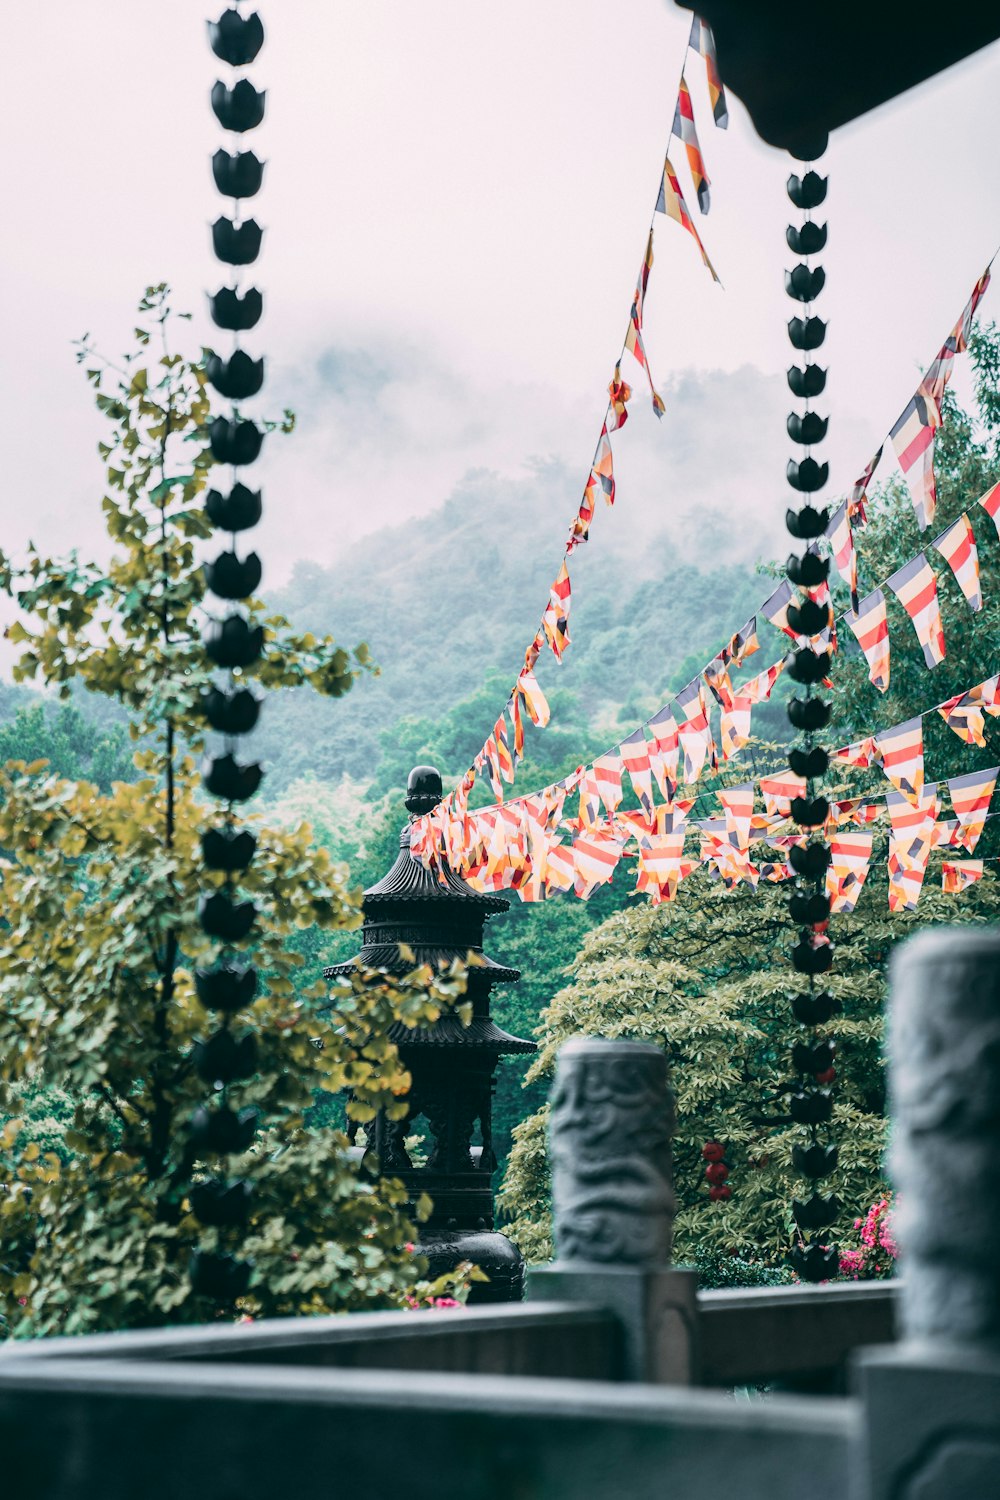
{"points": [[811, 1104], [231, 707]]}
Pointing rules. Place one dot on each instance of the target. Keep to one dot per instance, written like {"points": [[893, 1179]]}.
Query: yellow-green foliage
{"points": [[707, 978], [99, 893]]}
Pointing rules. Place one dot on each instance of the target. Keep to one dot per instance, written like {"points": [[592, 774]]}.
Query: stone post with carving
{"points": [[612, 1119], [932, 1402]]}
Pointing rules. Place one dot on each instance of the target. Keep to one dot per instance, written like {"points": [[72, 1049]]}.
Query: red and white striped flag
{"points": [[913, 439], [695, 737], [716, 678], [850, 857], [991, 504], [858, 499], [686, 131], [965, 717], [775, 608], [778, 792], [535, 700], [664, 751], [871, 628], [671, 202], [555, 620], [596, 853], [970, 799], [901, 751], [608, 780], [859, 754], [940, 370], [906, 874], [915, 586], [957, 545], [737, 802], [603, 468], [958, 874], [661, 865], [635, 755], [743, 644], [560, 871], [703, 42], [844, 555]]}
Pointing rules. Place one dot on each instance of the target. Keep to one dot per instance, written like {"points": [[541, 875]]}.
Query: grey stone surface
{"points": [[930, 1425], [556, 1341], [944, 1049], [760, 1334], [655, 1308], [611, 1121], [103, 1430]]}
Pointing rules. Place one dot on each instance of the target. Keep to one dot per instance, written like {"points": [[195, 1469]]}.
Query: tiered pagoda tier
{"points": [[452, 1065]]}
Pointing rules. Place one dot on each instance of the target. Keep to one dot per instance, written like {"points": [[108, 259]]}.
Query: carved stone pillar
{"points": [[612, 1120], [932, 1404]]}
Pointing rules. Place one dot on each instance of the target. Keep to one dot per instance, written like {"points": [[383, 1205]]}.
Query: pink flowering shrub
{"points": [[874, 1257]]}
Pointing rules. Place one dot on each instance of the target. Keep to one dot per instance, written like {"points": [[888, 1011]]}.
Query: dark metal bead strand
{"points": [[811, 1101], [231, 708]]}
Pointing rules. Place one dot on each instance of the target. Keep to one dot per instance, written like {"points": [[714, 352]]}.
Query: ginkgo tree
{"points": [[100, 936]]}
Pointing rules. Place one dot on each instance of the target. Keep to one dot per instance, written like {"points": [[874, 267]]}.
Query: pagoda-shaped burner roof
{"points": [[410, 880]]}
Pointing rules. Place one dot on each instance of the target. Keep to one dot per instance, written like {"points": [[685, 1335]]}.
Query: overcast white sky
{"points": [[456, 204]]}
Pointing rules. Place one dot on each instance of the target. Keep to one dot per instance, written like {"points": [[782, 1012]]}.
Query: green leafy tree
{"points": [[708, 976], [101, 936], [73, 744]]}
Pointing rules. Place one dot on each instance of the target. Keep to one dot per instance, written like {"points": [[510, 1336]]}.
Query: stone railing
{"points": [[602, 1383]]}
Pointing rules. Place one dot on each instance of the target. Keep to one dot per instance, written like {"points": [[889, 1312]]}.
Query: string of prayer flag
{"points": [[958, 874], [870, 625], [850, 858], [901, 750], [957, 545], [970, 799], [915, 586], [991, 504]]}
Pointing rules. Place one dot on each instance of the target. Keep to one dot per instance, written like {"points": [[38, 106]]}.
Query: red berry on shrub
{"points": [[712, 1151], [717, 1171], [720, 1194], [826, 1077]]}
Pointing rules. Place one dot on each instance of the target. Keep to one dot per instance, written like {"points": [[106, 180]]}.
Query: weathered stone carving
{"points": [[612, 1117], [944, 1042]]}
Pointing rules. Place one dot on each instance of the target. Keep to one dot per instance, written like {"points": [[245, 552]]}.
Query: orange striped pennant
{"points": [[991, 504], [860, 754], [845, 557], [958, 874], [743, 644], [871, 629], [555, 620], [957, 545], [913, 439], [596, 854], [607, 777], [857, 501], [671, 202], [965, 717], [775, 608], [850, 858], [535, 700], [620, 394], [686, 131], [664, 751], [602, 468], [778, 792], [901, 751], [635, 755], [915, 586], [695, 737], [702, 41], [737, 803], [970, 799]]}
